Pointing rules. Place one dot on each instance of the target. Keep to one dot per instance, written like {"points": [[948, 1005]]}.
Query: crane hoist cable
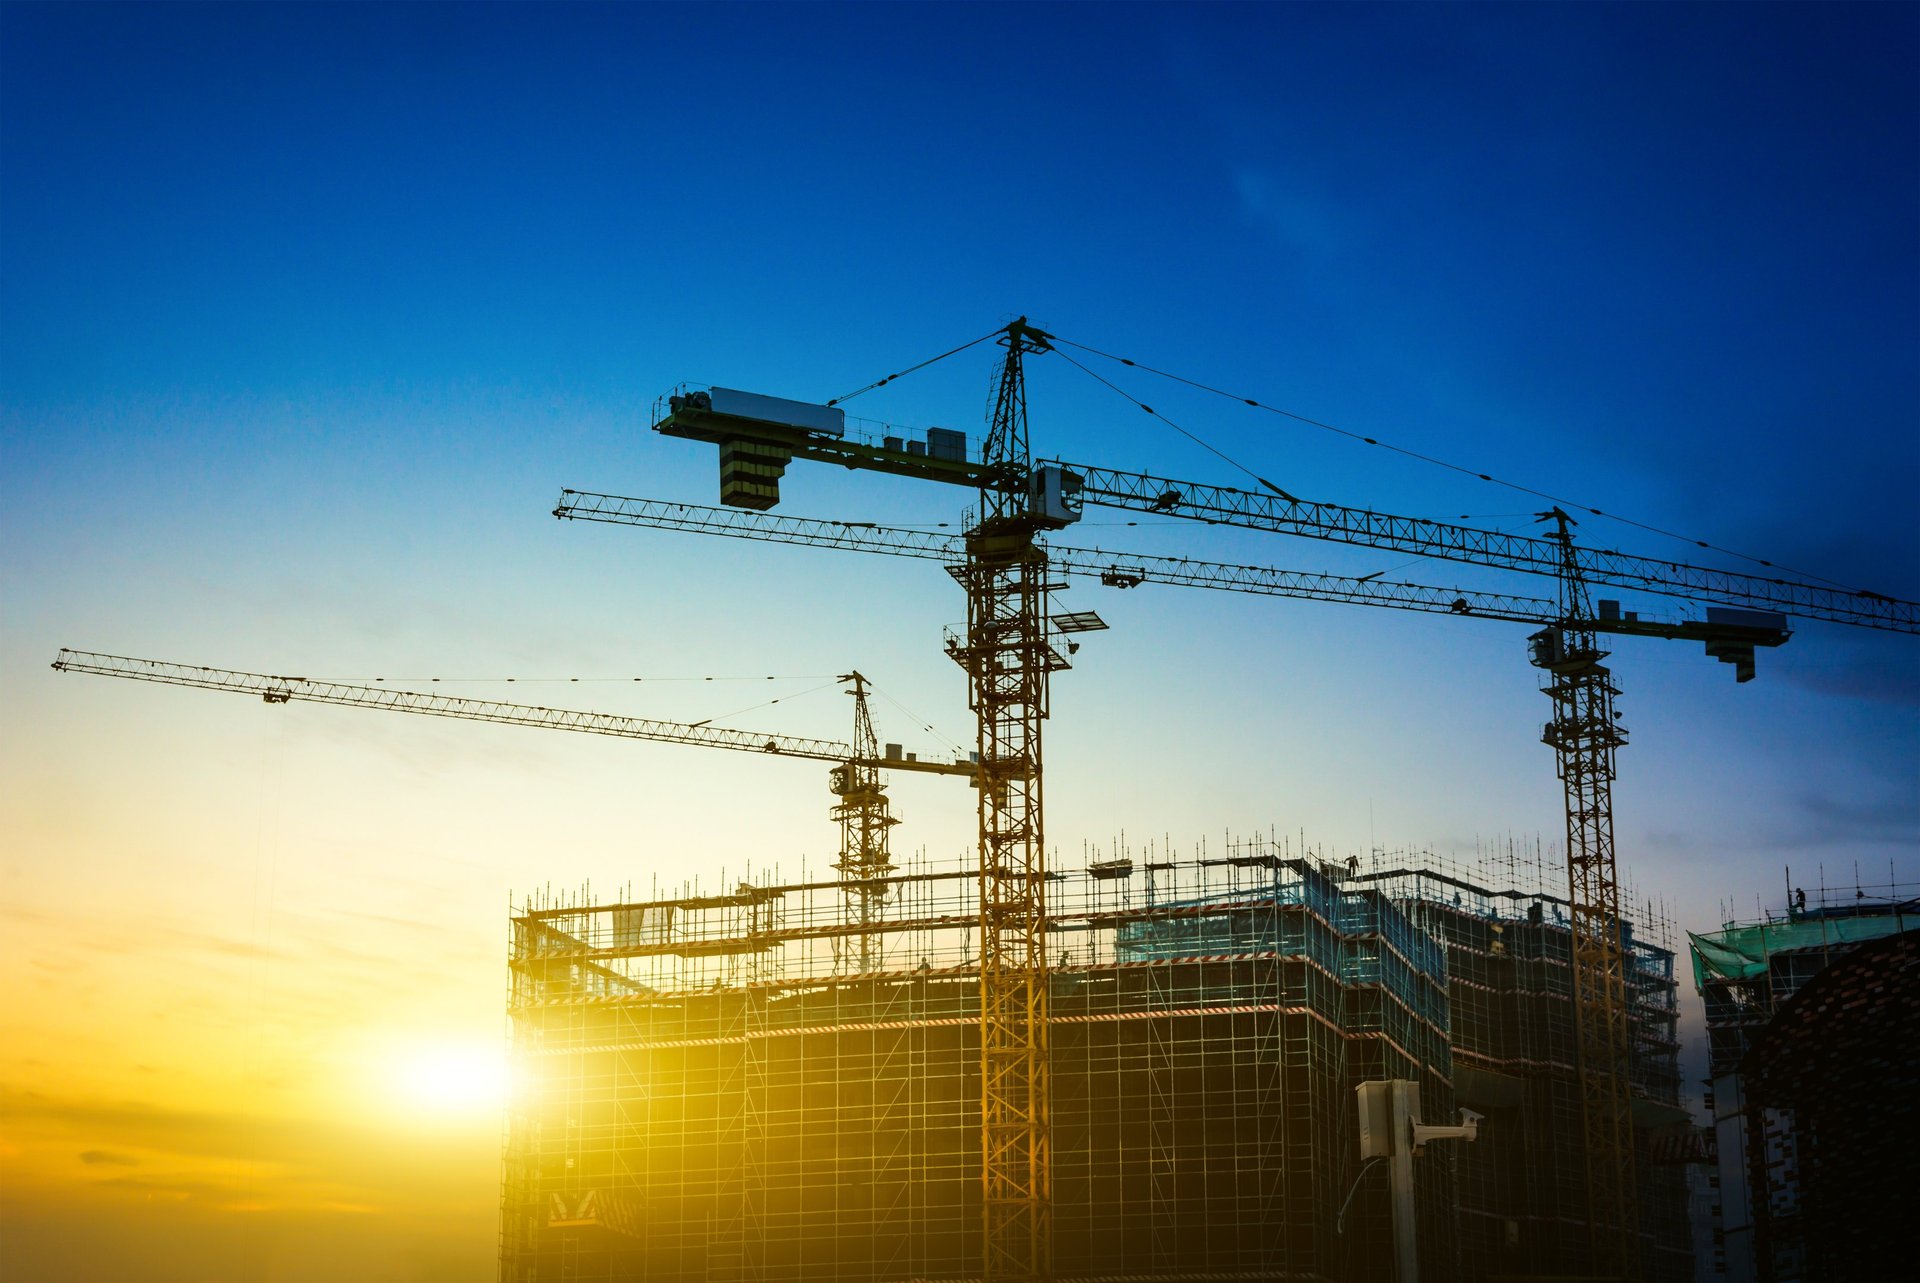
{"points": [[948, 740], [1059, 343]]}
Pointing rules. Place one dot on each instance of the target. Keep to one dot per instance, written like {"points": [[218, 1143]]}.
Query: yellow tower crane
{"points": [[865, 819], [860, 805], [1583, 733], [1008, 655]]}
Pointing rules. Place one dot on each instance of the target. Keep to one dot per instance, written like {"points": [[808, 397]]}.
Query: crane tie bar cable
{"points": [[486, 681], [1177, 428], [911, 368], [1414, 454]]}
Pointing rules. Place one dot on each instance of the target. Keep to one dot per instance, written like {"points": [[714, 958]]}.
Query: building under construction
{"points": [[781, 1082], [1813, 1031]]}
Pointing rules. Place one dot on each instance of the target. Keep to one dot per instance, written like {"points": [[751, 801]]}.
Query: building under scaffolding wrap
{"points": [[1805, 1164], [709, 1088], [1521, 1195]]}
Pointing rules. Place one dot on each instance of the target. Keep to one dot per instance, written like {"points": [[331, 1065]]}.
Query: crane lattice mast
{"points": [[860, 806], [1584, 734], [1006, 574], [1008, 657], [864, 819]]}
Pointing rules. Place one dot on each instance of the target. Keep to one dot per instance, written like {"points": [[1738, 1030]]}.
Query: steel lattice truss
{"points": [[1123, 570], [1008, 656], [1584, 735], [1145, 493], [864, 818], [281, 690]]}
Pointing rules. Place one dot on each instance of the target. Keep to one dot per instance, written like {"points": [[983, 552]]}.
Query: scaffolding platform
{"points": [[729, 1095]]}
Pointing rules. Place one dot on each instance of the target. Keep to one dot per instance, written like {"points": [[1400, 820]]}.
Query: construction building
{"points": [[713, 1087], [1813, 1029]]}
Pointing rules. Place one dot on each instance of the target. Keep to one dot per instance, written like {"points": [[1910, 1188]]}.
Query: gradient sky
{"points": [[307, 314]]}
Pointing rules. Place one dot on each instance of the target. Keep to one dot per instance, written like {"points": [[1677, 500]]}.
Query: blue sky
{"points": [[1649, 253], [308, 313]]}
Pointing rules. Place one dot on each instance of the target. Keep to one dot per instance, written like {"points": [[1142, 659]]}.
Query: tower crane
{"points": [[1008, 654], [1583, 730], [860, 808], [864, 819], [1730, 640], [1584, 734], [1008, 660]]}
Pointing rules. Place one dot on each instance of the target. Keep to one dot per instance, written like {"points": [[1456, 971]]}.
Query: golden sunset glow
{"points": [[451, 1078], [331, 335]]}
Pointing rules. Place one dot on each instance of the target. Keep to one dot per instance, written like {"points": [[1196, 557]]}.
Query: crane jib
{"points": [[280, 690], [1729, 634], [755, 452], [1005, 570], [1528, 553]]}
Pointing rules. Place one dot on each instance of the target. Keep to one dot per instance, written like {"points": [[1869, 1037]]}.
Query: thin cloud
{"points": [[1862, 678], [1300, 221], [1861, 819], [200, 1133]]}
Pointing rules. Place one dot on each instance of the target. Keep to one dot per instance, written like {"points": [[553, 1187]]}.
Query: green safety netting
{"points": [[1741, 953]]}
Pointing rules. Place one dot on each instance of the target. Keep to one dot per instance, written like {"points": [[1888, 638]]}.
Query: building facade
{"points": [[708, 1088], [1751, 976]]}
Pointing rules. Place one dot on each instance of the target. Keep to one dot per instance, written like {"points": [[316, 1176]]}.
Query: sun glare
{"points": [[451, 1078]]}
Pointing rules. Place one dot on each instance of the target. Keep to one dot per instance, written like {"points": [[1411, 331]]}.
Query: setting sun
{"points": [[1105, 537], [450, 1078]]}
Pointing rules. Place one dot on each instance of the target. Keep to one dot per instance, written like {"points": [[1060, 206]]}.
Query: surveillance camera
{"points": [[1471, 1119]]}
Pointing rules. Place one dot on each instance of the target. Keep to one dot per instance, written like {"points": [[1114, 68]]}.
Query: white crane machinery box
{"points": [[827, 419]]}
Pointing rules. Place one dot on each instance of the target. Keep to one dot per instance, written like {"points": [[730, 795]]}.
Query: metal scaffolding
{"points": [[716, 1087]]}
